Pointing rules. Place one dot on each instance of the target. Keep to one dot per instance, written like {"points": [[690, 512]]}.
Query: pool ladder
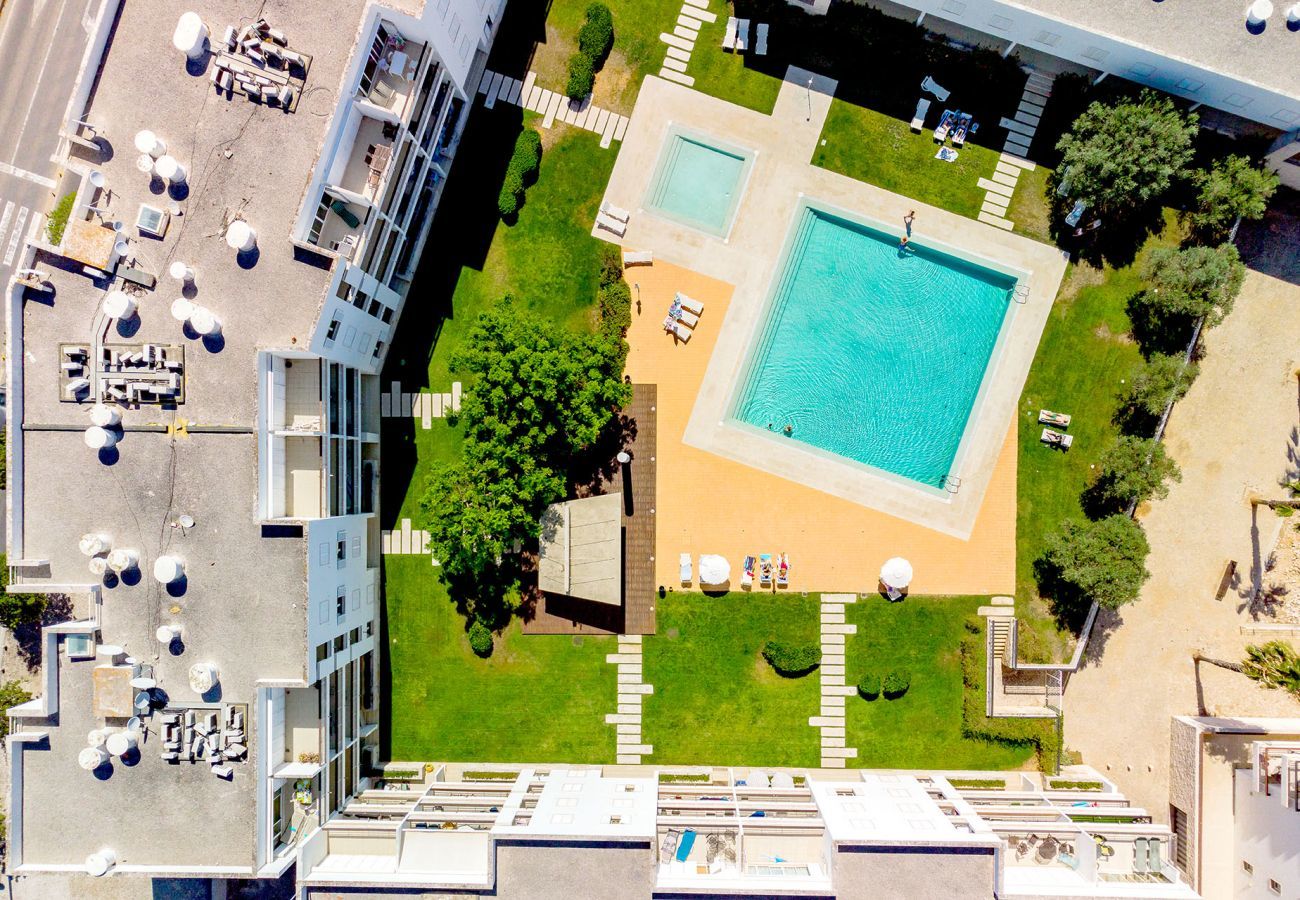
{"points": [[1020, 293], [952, 483]]}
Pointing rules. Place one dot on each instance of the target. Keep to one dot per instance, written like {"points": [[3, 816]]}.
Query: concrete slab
{"points": [[1004, 224]]}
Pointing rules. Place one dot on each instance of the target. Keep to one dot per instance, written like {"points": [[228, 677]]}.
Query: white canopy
{"points": [[92, 758], [896, 572], [714, 569]]}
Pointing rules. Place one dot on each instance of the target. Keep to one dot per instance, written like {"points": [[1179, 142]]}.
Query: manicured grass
{"points": [[1085, 356], [922, 728], [538, 698], [716, 700], [873, 147], [726, 75], [1029, 208]]}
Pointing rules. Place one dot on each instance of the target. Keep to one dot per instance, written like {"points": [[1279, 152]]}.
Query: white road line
{"points": [[6, 169], [4, 219], [16, 237]]}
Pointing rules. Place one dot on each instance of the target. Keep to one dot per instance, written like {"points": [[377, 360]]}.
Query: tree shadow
{"points": [[1155, 331], [27, 636], [1068, 606]]}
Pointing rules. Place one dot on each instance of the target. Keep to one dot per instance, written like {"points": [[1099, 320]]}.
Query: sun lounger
{"points": [[615, 212], [918, 119], [1056, 439], [760, 44], [685, 566], [1047, 417], [685, 845], [747, 580], [783, 572], [690, 303], [1154, 863], [729, 39], [929, 84], [963, 128], [669, 845], [677, 329], [1076, 214], [1140, 856], [742, 35], [638, 257], [946, 122], [765, 569], [686, 317], [609, 223]]}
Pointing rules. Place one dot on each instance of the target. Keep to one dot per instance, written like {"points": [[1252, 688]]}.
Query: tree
{"points": [[1102, 561], [1134, 470], [12, 693], [1275, 665], [1163, 379], [1124, 156], [17, 609], [1193, 282], [1230, 188]]}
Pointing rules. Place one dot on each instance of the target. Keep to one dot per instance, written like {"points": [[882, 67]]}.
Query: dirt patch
{"points": [[1076, 279], [615, 84], [1104, 333]]}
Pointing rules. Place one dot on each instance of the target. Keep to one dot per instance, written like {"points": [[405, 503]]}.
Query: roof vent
{"points": [[191, 35], [101, 863]]}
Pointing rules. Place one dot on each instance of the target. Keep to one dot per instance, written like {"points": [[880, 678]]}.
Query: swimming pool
{"points": [[870, 353], [698, 182]]}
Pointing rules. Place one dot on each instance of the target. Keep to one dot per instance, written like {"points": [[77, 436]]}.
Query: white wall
{"points": [[1284, 148], [1107, 54], [1268, 837], [455, 29], [354, 341], [325, 576]]}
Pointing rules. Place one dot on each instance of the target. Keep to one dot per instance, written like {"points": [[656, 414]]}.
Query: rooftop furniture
{"points": [[615, 212], [685, 566], [1047, 417], [1056, 439], [729, 38], [714, 569], [765, 569], [760, 47], [676, 311], [611, 224], [685, 845], [918, 118], [677, 329], [742, 35], [1140, 855], [747, 579], [783, 572], [690, 303], [946, 121], [964, 123], [638, 257], [340, 209], [929, 84]]}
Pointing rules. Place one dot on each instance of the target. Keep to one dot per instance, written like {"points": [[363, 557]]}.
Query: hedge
{"points": [[521, 171], [615, 309], [480, 639], [976, 725], [685, 778], [869, 686], [985, 784], [485, 775], [400, 774], [792, 660], [896, 684], [595, 39], [58, 220], [582, 77], [1075, 785]]}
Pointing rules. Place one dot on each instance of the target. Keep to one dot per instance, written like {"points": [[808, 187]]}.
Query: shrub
{"points": [[869, 686], [508, 200], [521, 171], [12, 693], [685, 778], [582, 77], [611, 263], [615, 301], [1231, 187], [792, 660], [596, 36], [1102, 562], [979, 784], [1193, 282], [1057, 785], [896, 683], [17, 609], [489, 775], [1135, 470], [1163, 379], [480, 639], [58, 220]]}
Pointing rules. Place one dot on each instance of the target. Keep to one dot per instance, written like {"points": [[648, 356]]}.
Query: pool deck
{"points": [[780, 181]]}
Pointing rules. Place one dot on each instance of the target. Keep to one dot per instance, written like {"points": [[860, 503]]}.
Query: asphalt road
{"points": [[41, 45]]}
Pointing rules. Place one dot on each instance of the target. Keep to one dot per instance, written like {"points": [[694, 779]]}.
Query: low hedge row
{"points": [[521, 172], [595, 39], [685, 778], [986, 784], [486, 775], [792, 660], [1075, 785], [893, 686], [1042, 734]]}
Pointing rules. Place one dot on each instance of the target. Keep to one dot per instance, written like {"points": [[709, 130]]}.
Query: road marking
{"points": [[6, 169], [4, 219], [16, 237]]}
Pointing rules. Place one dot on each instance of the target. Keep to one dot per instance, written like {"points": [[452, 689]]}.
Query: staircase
{"points": [[1000, 614]]}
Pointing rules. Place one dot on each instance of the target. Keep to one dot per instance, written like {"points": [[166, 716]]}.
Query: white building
{"points": [[240, 409]]}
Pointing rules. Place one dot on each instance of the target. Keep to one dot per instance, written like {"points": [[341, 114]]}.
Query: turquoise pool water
{"points": [[697, 183], [871, 353]]}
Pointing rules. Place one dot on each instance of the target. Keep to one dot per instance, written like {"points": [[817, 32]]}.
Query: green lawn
{"points": [[921, 729], [538, 698], [881, 150], [716, 700]]}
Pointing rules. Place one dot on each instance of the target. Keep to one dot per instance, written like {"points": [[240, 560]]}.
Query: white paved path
{"points": [[423, 405], [631, 691], [999, 189], [834, 692], [552, 105]]}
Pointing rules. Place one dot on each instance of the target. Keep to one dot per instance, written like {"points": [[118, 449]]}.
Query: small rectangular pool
{"points": [[698, 182], [872, 353]]}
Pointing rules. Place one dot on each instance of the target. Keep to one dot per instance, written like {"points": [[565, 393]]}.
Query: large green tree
{"points": [[1102, 561], [1191, 283], [1164, 378], [1123, 156], [1135, 469], [1230, 188]]}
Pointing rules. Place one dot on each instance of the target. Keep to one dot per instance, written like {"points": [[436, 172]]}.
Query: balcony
{"points": [[302, 733], [389, 78]]}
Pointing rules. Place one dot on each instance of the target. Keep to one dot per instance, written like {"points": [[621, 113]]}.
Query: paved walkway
{"points": [[631, 691], [551, 105], [835, 693], [999, 189], [423, 405], [405, 540], [682, 40], [1231, 435]]}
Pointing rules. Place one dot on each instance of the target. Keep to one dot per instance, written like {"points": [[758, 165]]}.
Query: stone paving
{"points": [[681, 42], [999, 189], [631, 691], [405, 540], [552, 105], [423, 405], [834, 692]]}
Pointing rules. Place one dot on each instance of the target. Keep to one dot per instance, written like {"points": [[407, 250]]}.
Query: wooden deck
{"points": [[636, 481]]}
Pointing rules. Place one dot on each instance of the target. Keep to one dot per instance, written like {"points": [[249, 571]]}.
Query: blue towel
{"points": [[684, 848]]}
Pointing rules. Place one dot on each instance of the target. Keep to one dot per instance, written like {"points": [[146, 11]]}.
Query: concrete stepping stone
{"points": [[678, 53], [673, 40], [698, 4], [627, 760], [832, 670], [636, 689], [832, 638], [702, 14], [689, 23], [832, 618], [1004, 178], [1030, 108], [1012, 159], [675, 64], [838, 629], [629, 709], [841, 752], [670, 75], [1003, 601], [836, 742], [1028, 118], [1017, 127], [996, 187], [993, 209], [826, 721], [628, 729], [832, 607], [621, 128], [622, 657], [628, 679], [628, 699], [621, 719], [844, 690], [686, 34], [997, 221], [832, 702], [493, 88], [832, 763]]}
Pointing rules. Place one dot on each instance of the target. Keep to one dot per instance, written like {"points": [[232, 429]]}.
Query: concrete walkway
{"points": [[999, 189], [1231, 436], [834, 692], [631, 691], [551, 105], [423, 405]]}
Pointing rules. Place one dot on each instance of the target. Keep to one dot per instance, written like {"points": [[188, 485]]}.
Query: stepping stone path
{"points": [[682, 40], [1020, 133], [631, 691], [422, 405], [835, 692], [551, 105], [405, 541]]}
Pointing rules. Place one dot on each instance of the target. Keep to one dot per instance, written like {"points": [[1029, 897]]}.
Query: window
{"points": [[1293, 160], [356, 545], [356, 599], [340, 643], [1141, 70], [956, 7], [1286, 115], [354, 636], [322, 652], [324, 554], [1047, 38], [341, 602], [1095, 53], [370, 628], [1274, 887], [1239, 101], [331, 332], [1001, 23], [349, 337], [341, 553], [1247, 868], [1191, 85]]}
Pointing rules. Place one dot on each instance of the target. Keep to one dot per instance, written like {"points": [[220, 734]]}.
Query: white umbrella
{"points": [[896, 572], [714, 569]]}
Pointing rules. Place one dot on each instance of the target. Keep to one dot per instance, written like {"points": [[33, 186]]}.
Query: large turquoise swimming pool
{"points": [[698, 182], [872, 353]]}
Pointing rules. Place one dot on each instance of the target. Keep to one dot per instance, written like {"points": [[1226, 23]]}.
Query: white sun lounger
{"points": [[929, 84], [742, 35], [918, 119], [729, 39], [686, 568], [760, 45], [677, 329], [615, 212], [638, 257], [609, 223], [690, 303], [685, 315], [1056, 439]]}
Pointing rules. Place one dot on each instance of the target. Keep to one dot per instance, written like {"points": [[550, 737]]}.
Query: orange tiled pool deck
{"points": [[709, 504]]}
